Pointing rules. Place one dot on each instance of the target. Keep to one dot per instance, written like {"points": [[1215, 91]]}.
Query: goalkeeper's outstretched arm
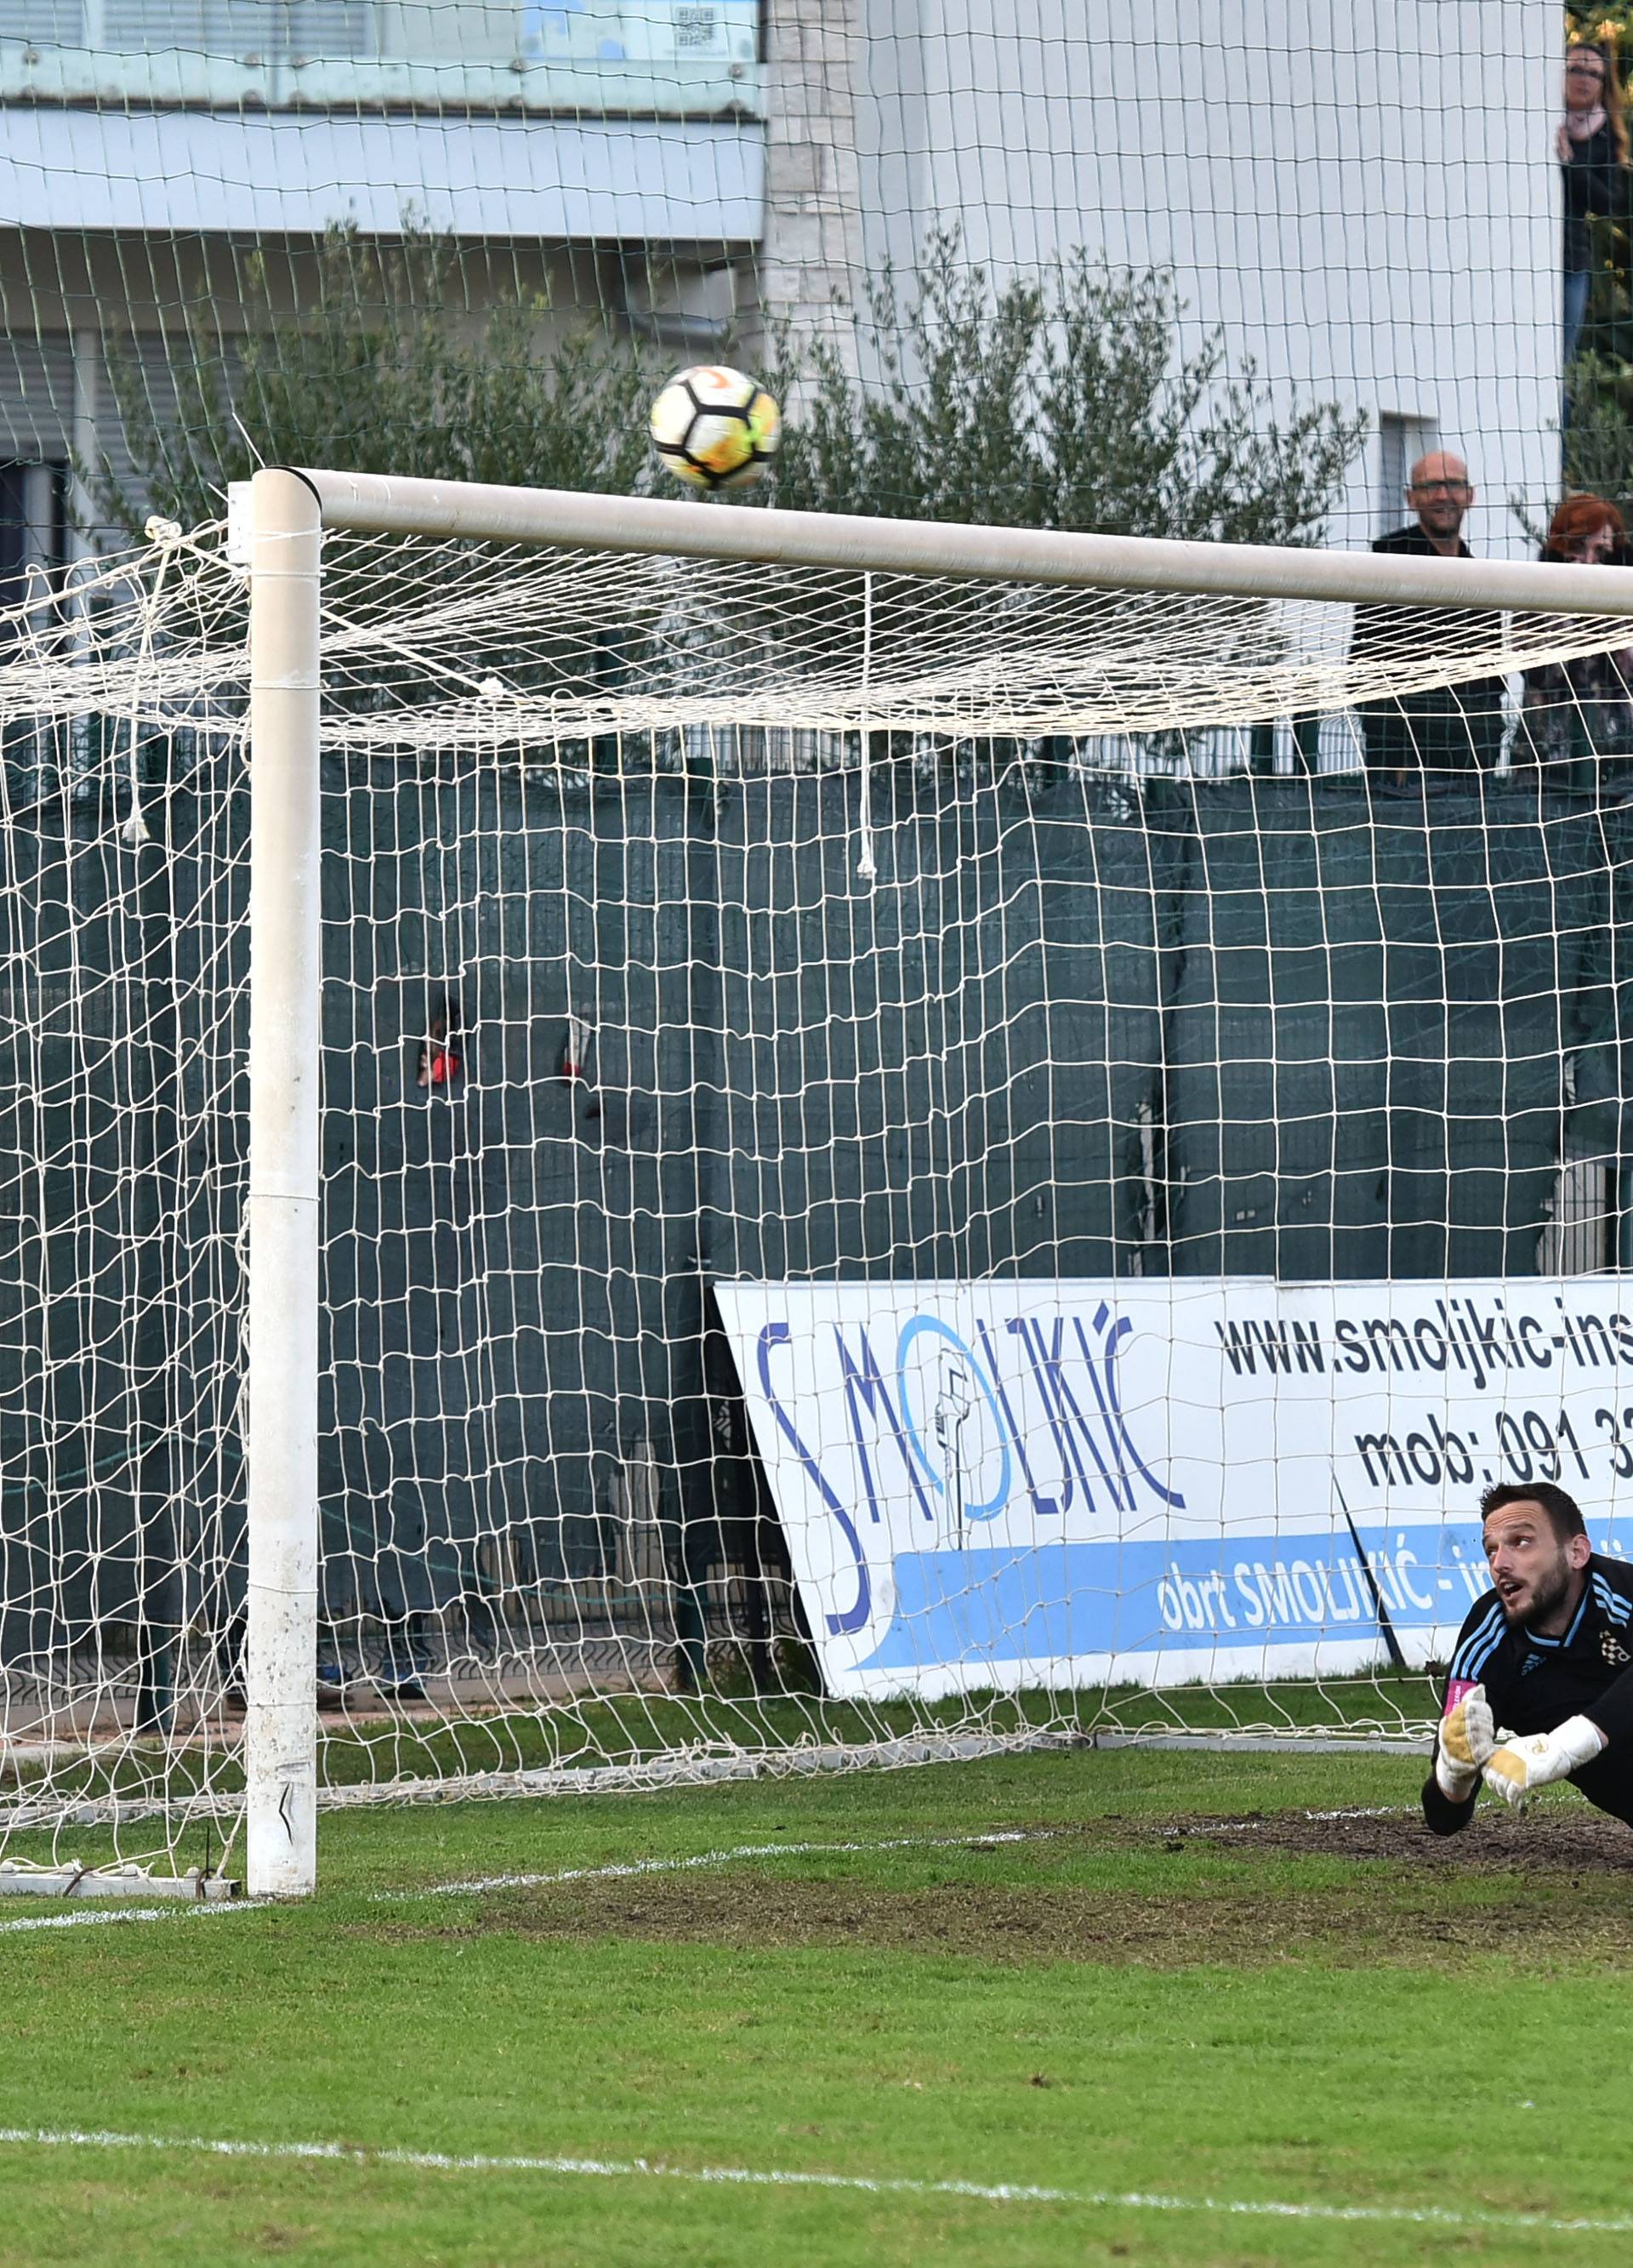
{"points": [[1464, 1741], [1442, 1815], [1466, 1735]]}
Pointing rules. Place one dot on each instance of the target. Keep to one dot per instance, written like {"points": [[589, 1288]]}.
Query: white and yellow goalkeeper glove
{"points": [[1467, 1737], [1521, 1765]]}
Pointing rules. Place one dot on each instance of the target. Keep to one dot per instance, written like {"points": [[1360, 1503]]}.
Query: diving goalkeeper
{"points": [[1547, 1654]]}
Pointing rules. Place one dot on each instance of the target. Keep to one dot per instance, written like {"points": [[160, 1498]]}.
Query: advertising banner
{"points": [[1006, 1485]]}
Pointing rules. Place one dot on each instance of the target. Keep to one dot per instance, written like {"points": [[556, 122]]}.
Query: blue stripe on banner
{"points": [[1054, 1601]]}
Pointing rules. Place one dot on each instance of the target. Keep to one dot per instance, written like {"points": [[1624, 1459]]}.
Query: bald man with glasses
{"points": [[1447, 729]]}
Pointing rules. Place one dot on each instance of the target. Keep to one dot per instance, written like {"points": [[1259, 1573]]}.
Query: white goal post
{"points": [[290, 512]]}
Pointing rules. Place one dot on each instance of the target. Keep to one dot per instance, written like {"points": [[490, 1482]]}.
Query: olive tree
{"points": [[384, 368], [1057, 398]]}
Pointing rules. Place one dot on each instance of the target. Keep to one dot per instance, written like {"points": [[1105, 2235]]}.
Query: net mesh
{"points": [[468, 241], [1009, 957]]}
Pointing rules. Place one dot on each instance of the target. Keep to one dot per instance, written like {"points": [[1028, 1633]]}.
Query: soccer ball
{"points": [[715, 428]]}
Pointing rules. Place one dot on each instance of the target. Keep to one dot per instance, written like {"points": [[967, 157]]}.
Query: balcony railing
{"points": [[693, 55]]}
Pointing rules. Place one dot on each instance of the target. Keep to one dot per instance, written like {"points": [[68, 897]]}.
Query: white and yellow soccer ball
{"points": [[715, 428]]}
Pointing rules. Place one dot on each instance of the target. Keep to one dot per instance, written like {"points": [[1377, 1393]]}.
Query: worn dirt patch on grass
{"points": [[1493, 1891], [1240, 1926], [1411, 1896], [1550, 1839]]}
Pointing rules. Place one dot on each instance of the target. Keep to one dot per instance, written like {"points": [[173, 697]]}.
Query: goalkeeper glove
{"points": [[1521, 1765], [1467, 1737]]}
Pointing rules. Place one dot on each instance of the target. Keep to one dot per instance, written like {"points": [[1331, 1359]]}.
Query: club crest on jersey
{"points": [[1611, 1646]]}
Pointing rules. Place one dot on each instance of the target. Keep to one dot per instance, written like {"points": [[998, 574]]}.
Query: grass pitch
{"points": [[1213, 2028]]}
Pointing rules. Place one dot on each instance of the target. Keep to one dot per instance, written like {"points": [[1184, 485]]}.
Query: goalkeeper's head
{"points": [[1537, 1550]]}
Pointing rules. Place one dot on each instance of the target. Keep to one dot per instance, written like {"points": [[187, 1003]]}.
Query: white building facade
{"points": [[1361, 195], [1363, 199]]}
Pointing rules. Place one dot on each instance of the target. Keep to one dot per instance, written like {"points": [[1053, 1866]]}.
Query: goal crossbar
{"points": [[377, 503], [288, 512]]}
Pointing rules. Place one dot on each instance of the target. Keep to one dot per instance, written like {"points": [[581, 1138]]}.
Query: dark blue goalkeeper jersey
{"points": [[1533, 1683]]}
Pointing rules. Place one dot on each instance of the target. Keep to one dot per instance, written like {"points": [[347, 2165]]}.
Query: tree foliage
{"points": [[1598, 441], [383, 370], [1057, 399]]}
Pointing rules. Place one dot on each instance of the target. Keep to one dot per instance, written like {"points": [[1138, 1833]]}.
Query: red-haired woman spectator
{"points": [[1578, 715], [1592, 146]]}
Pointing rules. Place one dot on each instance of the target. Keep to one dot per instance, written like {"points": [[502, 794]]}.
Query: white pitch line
{"points": [[92, 1917], [443, 2162], [1369, 1811], [1313, 1818], [626, 1869], [619, 1869]]}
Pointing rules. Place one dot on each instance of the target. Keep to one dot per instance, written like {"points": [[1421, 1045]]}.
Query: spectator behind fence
{"points": [[440, 1060], [1578, 716], [1450, 728], [1592, 144]]}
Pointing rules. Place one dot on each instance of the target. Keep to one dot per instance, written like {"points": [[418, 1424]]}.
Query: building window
{"points": [[33, 525], [1401, 441]]}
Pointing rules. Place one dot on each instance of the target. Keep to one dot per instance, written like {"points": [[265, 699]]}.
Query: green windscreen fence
{"points": [[1386, 1018], [1071, 1028]]}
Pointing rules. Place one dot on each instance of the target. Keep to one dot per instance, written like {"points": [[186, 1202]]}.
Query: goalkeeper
{"points": [[1546, 1656]]}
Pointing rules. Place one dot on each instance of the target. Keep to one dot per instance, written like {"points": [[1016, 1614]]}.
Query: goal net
{"points": [[910, 1162]]}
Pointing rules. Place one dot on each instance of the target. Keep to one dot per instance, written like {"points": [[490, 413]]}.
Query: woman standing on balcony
{"points": [[1592, 146]]}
